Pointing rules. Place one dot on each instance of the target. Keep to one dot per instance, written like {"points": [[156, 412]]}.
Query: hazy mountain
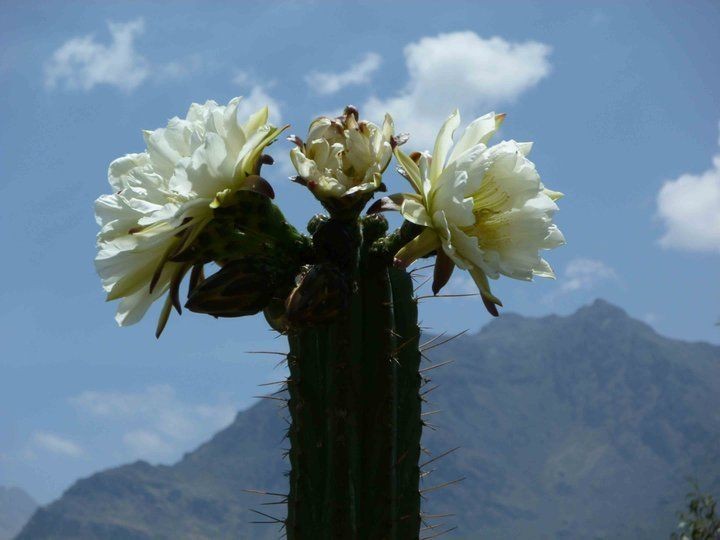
{"points": [[577, 427], [16, 507]]}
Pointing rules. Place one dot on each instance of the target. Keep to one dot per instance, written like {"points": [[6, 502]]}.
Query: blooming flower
{"points": [[342, 156], [164, 197], [483, 209]]}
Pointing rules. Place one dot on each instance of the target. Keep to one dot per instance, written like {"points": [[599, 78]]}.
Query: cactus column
{"points": [[354, 390]]}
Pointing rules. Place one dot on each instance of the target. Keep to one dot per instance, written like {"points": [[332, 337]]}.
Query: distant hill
{"points": [[16, 507], [578, 427]]}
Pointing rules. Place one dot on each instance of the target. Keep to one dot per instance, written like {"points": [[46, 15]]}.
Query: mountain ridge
{"points": [[577, 426], [16, 507]]}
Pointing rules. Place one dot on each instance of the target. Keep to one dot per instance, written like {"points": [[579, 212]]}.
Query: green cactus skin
{"points": [[354, 396]]}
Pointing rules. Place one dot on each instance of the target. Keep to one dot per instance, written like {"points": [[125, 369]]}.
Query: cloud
{"points": [[146, 443], [580, 274], [83, 63], [688, 206], [179, 69], [651, 317], [256, 97], [359, 73], [56, 444], [462, 70], [242, 78], [584, 274], [156, 423]]}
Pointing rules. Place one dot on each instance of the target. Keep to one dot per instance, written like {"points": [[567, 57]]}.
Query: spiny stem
{"points": [[355, 396]]}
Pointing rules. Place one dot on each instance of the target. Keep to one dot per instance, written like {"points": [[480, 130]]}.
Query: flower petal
{"points": [[411, 170], [443, 144], [424, 243], [415, 212], [479, 131]]}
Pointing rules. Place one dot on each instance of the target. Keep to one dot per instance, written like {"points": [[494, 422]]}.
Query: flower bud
{"points": [[343, 157], [239, 288], [320, 295]]}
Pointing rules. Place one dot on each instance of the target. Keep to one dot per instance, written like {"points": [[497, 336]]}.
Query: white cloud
{"points": [[242, 78], [146, 443], [462, 70], [651, 317], [83, 63], [359, 73], [689, 207], [157, 423], [179, 69], [56, 444], [584, 274], [256, 97]]}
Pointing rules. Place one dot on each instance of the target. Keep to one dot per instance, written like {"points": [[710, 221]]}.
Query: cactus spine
{"points": [[354, 391]]}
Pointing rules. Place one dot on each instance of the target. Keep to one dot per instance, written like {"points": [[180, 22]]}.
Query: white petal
{"points": [[305, 167], [327, 186], [461, 248], [215, 154], [478, 131], [234, 134], [555, 238], [120, 169], [543, 269], [132, 308], [319, 151], [415, 212], [256, 121], [525, 148], [443, 144], [424, 168], [162, 155], [411, 169]]}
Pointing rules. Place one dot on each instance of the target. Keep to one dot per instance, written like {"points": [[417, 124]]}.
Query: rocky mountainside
{"points": [[16, 507], [579, 427]]}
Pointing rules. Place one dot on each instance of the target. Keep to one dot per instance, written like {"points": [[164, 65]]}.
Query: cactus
{"points": [[342, 296], [354, 392], [351, 322]]}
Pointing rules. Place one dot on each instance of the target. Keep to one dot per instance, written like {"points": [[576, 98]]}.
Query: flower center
{"points": [[489, 202]]}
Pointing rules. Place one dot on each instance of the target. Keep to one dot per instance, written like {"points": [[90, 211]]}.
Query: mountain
{"points": [[579, 427], [16, 507]]}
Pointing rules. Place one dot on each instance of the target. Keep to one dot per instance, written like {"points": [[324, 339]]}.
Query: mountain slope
{"points": [[16, 507], [578, 427], [584, 426]]}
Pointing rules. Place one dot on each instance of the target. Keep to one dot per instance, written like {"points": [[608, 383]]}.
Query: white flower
{"points": [[343, 156], [163, 198], [485, 207]]}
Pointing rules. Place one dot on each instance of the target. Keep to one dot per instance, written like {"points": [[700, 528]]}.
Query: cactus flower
{"points": [[483, 209], [164, 197], [343, 156]]}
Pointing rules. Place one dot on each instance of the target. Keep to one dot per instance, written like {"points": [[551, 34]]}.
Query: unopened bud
{"points": [[239, 288]]}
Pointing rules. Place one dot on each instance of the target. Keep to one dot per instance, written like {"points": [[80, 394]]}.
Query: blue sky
{"points": [[620, 99]]}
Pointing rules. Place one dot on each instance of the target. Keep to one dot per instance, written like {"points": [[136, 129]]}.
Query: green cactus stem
{"points": [[354, 390]]}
